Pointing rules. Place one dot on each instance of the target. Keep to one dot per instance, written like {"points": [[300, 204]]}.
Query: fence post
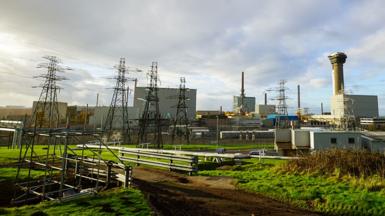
{"points": [[109, 169], [128, 176]]}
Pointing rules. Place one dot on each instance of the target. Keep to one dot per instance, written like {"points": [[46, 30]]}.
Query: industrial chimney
{"points": [[337, 60]]}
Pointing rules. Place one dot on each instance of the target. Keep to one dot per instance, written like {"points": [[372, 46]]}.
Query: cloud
{"points": [[208, 42]]}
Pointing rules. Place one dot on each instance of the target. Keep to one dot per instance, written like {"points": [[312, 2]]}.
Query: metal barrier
{"points": [[170, 161]]}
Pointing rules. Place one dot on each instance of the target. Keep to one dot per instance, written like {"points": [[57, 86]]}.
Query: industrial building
{"points": [[168, 100], [263, 110], [61, 109], [241, 103], [343, 104], [101, 112], [15, 112], [248, 104], [346, 107]]}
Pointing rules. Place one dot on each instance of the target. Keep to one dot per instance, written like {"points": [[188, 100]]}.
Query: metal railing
{"points": [[170, 161]]}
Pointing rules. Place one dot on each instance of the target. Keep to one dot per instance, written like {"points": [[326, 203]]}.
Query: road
{"points": [[176, 194]]}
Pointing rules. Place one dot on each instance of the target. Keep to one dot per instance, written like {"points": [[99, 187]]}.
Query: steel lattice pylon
{"points": [[118, 111], [150, 121], [181, 121], [45, 117]]}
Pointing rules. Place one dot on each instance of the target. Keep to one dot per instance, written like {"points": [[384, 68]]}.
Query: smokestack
{"points": [[299, 96], [337, 60], [243, 85], [322, 108], [265, 98]]}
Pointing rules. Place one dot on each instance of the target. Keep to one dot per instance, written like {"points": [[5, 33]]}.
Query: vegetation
{"points": [[9, 173], [114, 202], [359, 164], [332, 194]]}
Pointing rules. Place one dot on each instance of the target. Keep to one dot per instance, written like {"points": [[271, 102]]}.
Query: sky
{"points": [[208, 42]]}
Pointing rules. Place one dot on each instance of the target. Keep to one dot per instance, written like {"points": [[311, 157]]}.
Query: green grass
{"points": [[114, 202], [9, 173], [324, 194]]}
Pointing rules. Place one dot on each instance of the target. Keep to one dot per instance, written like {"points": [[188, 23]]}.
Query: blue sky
{"points": [[208, 42]]}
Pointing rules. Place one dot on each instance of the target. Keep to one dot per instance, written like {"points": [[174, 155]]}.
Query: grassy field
{"points": [[113, 202], [332, 194]]}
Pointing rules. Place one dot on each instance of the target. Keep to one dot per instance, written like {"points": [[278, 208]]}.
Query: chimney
{"points": [[337, 60], [299, 96], [265, 98], [243, 85], [322, 108]]}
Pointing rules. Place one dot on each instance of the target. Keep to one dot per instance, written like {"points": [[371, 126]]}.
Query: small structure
{"points": [[300, 139], [320, 140]]}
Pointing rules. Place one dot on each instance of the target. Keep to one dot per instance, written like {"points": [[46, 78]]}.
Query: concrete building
{"points": [[373, 123], [374, 141], [323, 140], [100, 115], [61, 106], [343, 104], [346, 107], [359, 106], [168, 101], [15, 112], [249, 104], [263, 110]]}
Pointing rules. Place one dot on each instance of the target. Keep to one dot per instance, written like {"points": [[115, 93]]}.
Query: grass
{"points": [[327, 194], [113, 202], [9, 173]]}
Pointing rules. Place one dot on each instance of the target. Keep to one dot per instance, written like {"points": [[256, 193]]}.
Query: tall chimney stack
{"points": [[265, 98], [299, 96], [243, 85], [322, 108], [337, 60]]}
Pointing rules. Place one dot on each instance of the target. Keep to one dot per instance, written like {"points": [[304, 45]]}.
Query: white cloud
{"points": [[208, 42]]}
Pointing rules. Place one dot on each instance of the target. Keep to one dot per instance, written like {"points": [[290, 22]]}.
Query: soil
{"points": [[176, 194]]}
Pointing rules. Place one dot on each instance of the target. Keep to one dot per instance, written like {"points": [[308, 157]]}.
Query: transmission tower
{"points": [[181, 121], [46, 111], [281, 109], [150, 121], [45, 120], [117, 116]]}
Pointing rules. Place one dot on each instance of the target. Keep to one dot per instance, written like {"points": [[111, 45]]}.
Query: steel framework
{"points": [[119, 105], [151, 121], [65, 169], [181, 121]]}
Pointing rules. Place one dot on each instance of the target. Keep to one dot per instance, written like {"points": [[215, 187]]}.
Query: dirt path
{"points": [[174, 194]]}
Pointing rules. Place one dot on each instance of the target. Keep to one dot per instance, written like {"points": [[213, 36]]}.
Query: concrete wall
{"points": [[321, 140], [168, 101], [359, 105], [300, 139], [282, 135]]}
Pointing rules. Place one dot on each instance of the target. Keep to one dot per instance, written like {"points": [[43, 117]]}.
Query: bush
{"points": [[339, 163]]}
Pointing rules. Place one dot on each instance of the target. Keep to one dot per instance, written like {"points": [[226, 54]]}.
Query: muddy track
{"points": [[175, 194]]}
